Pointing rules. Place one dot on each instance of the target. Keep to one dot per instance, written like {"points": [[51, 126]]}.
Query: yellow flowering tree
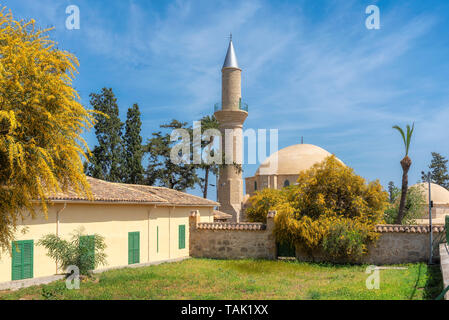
{"points": [[263, 201], [330, 209], [41, 121]]}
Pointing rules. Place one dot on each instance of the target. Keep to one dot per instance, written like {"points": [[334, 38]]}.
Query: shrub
{"points": [[262, 202], [345, 239], [415, 205], [75, 252], [331, 209]]}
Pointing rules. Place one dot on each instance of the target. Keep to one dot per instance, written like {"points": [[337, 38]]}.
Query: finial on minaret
{"points": [[231, 58]]}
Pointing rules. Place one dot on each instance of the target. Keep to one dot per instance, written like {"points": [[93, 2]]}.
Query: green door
{"points": [[182, 236], [133, 247], [22, 259], [285, 250], [88, 244]]}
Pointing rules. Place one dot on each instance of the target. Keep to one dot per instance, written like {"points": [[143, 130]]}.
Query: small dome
{"points": [[292, 160], [438, 194]]}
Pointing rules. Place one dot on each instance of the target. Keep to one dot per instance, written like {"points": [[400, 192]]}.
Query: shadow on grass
{"points": [[434, 283]]}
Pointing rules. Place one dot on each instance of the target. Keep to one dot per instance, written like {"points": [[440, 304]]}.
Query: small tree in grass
{"points": [[85, 252]]}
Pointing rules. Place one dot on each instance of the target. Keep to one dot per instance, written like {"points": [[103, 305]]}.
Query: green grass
{"points": [[245, 279]]}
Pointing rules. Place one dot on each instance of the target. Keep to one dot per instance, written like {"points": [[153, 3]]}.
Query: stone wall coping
{"points": [[385, 228], [250, 226]]}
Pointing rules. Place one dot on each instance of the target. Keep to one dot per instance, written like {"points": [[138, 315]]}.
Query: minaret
{"points": [[232, 115]]}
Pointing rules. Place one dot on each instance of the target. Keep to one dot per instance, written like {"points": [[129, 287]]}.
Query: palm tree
{"points": [[406, 162]]}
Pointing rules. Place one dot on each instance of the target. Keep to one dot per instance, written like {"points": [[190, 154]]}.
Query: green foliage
{"points": [[262, 202], [161, 170], [344, 239], [133, 147], [207, 123], [392, 191], [415, 205], [329, 201], [74, 252], [438, 171], [107, 160], [406, 137], [55, 292]]}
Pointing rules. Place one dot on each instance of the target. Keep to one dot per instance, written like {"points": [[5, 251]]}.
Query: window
{"points": [[22, 259], [286, 183], [133, 247], [255, 185], [88, 242], [182, 236]]}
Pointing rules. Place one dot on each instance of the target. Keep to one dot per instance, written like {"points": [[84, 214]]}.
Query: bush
{"points": [[415, 205], [344, 239], [75, 252], [331, 209], [262, 202]]}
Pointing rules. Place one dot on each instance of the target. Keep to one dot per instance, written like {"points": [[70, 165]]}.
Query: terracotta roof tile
{"points": [[105, 191], [384, 228], [254, 226]]}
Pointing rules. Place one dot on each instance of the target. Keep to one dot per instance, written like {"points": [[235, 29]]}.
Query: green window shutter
{"points": [[28, 256], [133, 247], [157, 239], [89, 242], [22, 259], [182, 236], [16, 260]]}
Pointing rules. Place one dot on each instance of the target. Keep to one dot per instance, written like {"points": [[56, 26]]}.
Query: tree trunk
{"points": [[405, 164], [206, 182]]}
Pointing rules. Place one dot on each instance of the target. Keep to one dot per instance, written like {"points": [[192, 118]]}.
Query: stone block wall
{"points": [[232, 240], [397, 244]]}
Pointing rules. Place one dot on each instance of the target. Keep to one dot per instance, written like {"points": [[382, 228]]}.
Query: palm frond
{"points": [[406, 138]]}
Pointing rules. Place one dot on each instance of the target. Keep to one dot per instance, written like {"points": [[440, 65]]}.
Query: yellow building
{"points": [[440, 198], [155, 218]]}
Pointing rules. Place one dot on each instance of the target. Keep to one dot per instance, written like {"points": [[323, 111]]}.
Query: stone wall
{"points": [[397, 244], [232, 240]]}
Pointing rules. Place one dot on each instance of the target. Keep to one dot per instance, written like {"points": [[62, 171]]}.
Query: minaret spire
{"points": [[231, 117], [231, 58]]}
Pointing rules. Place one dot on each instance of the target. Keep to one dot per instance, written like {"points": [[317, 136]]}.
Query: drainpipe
{"points": [[57, 226], [170, 211], [148, 231]]}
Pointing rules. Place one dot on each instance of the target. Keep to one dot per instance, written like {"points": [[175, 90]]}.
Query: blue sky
{"points": [[310, 68]]}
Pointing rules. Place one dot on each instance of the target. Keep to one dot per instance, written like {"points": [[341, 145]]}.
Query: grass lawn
{"points": [[245, 279]]}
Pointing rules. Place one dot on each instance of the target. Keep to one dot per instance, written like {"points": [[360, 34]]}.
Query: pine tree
{"points": [[133, 147], [161, 170], [107, 161], [438, 170]]}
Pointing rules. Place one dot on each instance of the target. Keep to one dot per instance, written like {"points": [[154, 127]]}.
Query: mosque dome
{"points": [[439, 194], [292, 160]]}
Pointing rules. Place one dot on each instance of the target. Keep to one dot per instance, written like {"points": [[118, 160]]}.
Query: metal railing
{"points": [[242, 106]]}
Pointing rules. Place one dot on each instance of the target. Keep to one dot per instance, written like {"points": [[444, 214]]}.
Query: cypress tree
{"points": [[107, 160], [133, 147]]}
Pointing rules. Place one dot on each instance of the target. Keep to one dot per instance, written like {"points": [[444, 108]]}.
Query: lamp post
{"points": [[430, 219]]}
